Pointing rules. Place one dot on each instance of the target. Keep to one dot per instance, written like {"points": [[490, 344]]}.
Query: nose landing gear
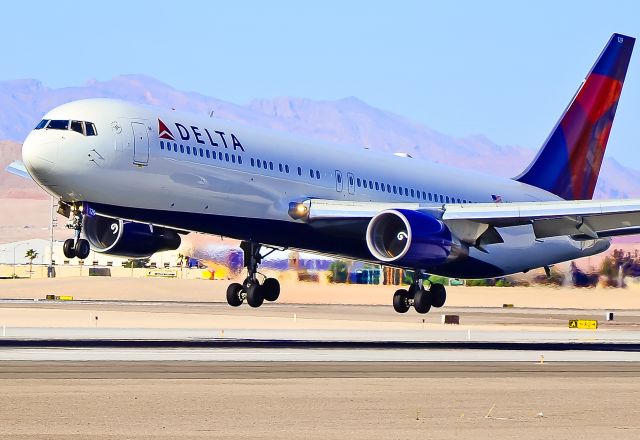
{"points": [[76, 247], [420, 298], [251, 290]]}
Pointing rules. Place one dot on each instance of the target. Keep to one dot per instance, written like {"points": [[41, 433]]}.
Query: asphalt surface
{"points": [[289, 370]]}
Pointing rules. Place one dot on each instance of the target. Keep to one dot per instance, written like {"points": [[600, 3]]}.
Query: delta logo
{"points": [[164, 131], [214, 138]]}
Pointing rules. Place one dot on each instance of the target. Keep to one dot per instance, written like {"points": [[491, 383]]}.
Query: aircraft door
{"points": [[339, 183], [140, 143], [351, 182]]}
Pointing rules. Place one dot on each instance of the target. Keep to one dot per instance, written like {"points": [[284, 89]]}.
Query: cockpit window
{"points": [[91, 129], [82, 127], [56, 124], [42, 124], [77, 126]]}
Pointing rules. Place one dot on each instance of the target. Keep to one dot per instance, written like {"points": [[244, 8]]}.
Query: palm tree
{"points": [[31, 255]]}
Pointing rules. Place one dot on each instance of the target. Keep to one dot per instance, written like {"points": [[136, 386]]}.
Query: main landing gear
{"points": [[420, 298], [76, 247], [251, 290]]}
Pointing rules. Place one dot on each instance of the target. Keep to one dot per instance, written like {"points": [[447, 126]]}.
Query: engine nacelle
{"points": [[412, 239], [128, 239]]}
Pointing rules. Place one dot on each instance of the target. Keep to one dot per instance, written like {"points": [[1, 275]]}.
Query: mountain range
{"points": [[345, 121]]}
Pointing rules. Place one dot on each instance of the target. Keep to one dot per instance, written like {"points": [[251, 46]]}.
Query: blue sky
{"points": [[502, 69]]}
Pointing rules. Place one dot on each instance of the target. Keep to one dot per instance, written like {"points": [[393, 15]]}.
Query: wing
{"points": [[18, 168], [475, 222]]}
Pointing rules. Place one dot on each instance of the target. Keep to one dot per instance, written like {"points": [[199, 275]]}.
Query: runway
{"points": [[203, 370], [291, 370]]}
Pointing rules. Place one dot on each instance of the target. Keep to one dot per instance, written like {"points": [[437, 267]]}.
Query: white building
{"points": [[15, 254]]}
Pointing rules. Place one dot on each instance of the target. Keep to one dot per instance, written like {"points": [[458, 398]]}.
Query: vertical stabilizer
{"points": [[569, 161]]}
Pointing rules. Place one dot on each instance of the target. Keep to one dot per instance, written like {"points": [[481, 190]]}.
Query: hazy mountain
{"points": [[349, 121]]}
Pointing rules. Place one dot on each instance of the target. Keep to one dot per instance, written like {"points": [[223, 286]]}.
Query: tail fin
{"points": [[569, 161]]}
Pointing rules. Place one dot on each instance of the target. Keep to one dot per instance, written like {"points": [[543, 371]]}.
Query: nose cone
{"points": [[39, 156]]}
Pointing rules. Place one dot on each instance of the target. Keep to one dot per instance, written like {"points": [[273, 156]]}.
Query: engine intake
{"points": [[128, 239], [412, 239]]}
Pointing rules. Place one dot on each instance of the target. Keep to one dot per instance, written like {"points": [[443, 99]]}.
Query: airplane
{"points": [[133, 178]]}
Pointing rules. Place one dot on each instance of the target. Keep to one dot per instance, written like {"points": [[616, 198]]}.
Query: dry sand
{"points": [[151, 289], [322, 408]]}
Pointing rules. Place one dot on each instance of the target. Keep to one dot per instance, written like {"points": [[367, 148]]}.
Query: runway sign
{"points": [[162, 273], [583, 324]]}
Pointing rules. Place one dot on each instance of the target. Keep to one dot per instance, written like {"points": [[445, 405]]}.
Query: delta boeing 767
{"points": [[133, 178]]}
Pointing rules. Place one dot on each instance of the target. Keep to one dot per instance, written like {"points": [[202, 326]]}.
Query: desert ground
{"points": [[539, 405]]}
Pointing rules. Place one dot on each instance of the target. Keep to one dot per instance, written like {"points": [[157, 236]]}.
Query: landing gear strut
{"points": [[76, 247], [421, 298], [251, 289]]}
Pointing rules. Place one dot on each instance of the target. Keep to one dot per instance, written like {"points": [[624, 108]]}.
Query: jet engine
{"points": [[412, 239], [128, 239]]}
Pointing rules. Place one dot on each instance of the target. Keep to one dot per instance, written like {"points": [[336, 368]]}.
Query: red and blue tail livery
{"points": [[569, 162]]}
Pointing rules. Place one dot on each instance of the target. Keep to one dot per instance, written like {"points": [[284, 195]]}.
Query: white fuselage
{"points": [[134, 170]]}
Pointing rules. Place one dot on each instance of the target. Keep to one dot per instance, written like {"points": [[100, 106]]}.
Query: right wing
{"points": [[17, 167]]}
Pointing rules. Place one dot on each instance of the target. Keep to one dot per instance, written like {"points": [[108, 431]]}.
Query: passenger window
{"points": [[240, 160], [233, 158], [175, 147], [394, 189], [406, 192], [441, 199], [182, 148], [226, 157], [286, 168], [220, 155], [447, 198], [77, 127], [162, 145], [424, 195], [208, 154], [201, 152], [90, 129], [258, 163], [358, 182], [188, 149], [311, 173], [377, 187], [280, 167], [317, 174], [299, 171], [412, 194], [271, 166]]}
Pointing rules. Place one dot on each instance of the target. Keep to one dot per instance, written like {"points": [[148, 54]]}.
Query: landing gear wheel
{"points": [[234, 294], [422, 301], [438, 295], [271, 289], [68, 248], [255, 296], [82, 248], [401, 301]]}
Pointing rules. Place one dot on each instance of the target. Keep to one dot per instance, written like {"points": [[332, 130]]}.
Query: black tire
{"points": [[82, 248], [255, 296], [271, 289], [233, 294], [422, 301], [438, 295], [400, 303], [68, 248]]}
